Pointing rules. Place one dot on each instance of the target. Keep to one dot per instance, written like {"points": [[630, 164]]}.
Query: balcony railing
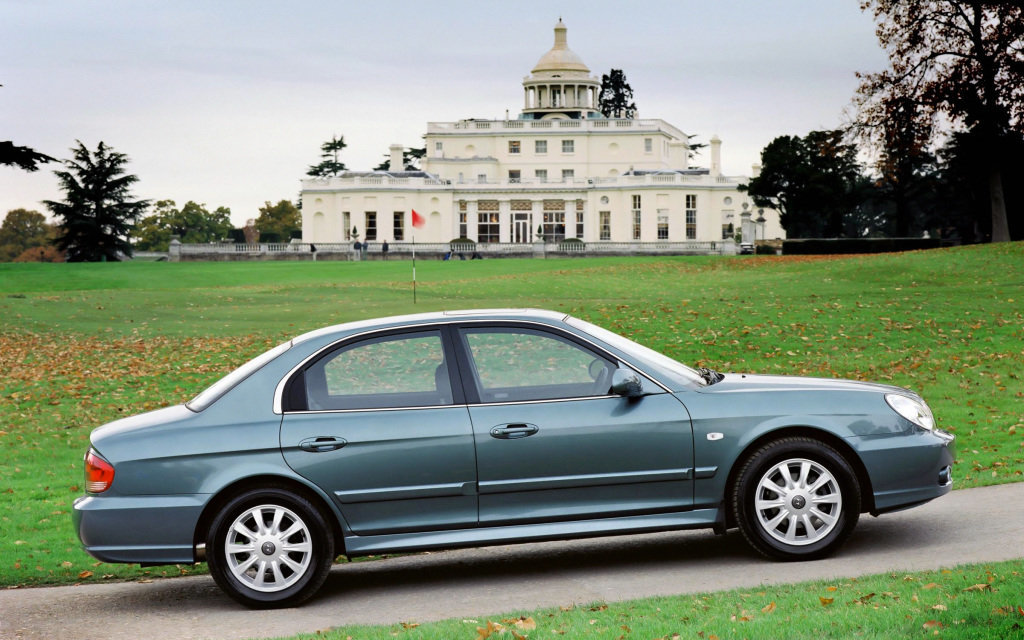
{"points": [[498, 126], [387, 182]]}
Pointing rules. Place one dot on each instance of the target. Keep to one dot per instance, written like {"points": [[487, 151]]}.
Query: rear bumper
{"points": [[143, 529]]}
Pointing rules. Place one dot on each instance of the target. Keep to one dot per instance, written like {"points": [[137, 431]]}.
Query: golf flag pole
{"points": [[417, 221]]}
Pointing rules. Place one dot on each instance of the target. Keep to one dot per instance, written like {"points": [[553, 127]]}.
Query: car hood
{"points": [[746, 382]]}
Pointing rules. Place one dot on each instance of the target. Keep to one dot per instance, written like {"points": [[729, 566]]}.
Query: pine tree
{"points": [[98, 212]]}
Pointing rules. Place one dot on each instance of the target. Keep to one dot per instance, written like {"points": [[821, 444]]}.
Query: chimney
{"points": [[396, 158], [716, 156]]}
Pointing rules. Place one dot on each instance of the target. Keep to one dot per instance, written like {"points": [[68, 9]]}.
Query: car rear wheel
{"points": [[796, 499], [269, 548]]}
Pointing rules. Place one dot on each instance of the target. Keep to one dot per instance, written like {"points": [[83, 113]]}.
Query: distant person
{"points": [[312, 249], [384, 250], [356, 247]]}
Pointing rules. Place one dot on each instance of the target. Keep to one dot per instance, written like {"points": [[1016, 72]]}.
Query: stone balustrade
{"points": [[226, 251]]}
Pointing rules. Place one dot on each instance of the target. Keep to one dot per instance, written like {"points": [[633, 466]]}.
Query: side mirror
{"points": [[627, 383]]}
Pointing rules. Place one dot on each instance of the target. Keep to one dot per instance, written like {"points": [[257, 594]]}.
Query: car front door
{"points": [[553, 444], [378, 424]]}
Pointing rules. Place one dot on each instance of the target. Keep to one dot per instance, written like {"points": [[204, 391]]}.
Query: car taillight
{"points": [[99, 474]]}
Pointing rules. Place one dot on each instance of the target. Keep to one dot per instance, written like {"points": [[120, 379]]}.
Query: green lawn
{"points": [[81, 345], [979, 602]]}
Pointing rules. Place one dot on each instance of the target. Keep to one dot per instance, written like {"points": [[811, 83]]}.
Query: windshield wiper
{"points": [[710, 375]]}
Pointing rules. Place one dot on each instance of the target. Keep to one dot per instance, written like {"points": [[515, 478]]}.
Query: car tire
{"points": [[796, 499], [269, 548]]}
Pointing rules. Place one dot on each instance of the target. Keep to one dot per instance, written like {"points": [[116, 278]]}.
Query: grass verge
{"points": [[981, 602]]}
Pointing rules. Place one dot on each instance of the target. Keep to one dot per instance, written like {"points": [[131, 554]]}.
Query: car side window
{"points": [[515, 365], [405, 370]]}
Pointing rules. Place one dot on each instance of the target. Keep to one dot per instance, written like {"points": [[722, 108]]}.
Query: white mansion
{"points": [[560, 170]]}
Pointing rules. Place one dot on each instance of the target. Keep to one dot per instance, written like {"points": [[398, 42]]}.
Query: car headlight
{"points": [[912, 409]]}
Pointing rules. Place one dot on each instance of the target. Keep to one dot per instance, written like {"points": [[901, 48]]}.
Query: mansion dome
{"points": [[560, 85]]}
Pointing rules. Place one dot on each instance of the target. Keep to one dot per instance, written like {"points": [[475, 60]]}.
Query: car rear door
{"points": [[379, 423], [552, 444]]}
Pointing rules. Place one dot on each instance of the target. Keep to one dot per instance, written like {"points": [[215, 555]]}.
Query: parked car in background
{"points": [[746, 248], [484, 427]]}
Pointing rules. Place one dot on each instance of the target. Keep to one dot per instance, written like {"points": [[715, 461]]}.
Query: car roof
{"points": [[434, 316]]}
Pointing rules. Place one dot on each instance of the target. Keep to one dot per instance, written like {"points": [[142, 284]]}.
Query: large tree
{"points": [[98, 211], [276, 222], [22, 229], [616, 97], [962, 60], [814, 182], [25, 158], [193, 223], [329, 165]]}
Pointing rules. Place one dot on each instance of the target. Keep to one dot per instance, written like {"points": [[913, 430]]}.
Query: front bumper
{"points": [[143, 529], [908, 470]]}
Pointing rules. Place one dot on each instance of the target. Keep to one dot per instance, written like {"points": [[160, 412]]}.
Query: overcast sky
{"points": [[226, 102]]}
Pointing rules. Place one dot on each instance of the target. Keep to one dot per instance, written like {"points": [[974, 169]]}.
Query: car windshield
{"points": [[222, 386], [658, 362]]}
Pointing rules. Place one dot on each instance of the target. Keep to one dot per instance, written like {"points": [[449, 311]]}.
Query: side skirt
{"points": [[399, 542]]}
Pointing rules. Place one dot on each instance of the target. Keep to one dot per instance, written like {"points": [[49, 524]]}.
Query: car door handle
{"points": [[512, 431], [322, 443]]}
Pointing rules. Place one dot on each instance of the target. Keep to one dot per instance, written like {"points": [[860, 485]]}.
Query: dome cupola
{"points": [[560, 85]]}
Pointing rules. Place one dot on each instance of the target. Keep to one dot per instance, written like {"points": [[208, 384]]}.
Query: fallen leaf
{"points": [[831, 588], [525, 623], [410, 625], [939, 607], [930, 585], [826, 601], [933, 624], [85, 574], [983, 586], [768, 608]]}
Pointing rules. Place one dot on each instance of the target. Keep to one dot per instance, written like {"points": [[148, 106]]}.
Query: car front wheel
{"points": [[269, 548], [796, 499]]}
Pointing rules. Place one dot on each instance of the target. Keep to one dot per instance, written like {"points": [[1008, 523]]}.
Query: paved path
{"points": [[973, 525]]}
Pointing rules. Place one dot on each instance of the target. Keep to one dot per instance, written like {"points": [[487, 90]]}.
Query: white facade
{"points": [[561, 170]]}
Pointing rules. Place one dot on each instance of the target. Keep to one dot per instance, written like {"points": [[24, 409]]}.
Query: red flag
{"points": [[417, 219]]}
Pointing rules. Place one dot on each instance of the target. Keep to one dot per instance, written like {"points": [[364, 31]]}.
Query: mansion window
{"points": [[662, 224], [346, 224], [487, 228], [438, 146], [568, 174], [514, 175], [568, 146], [513, 146], [399, 228], [605, 224], [579, 219], [540, 146], [463, 226], [636, 217], [482, 178], [691, 217], [648, 145], [371, 225], [554, 220], [541, 175]]}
